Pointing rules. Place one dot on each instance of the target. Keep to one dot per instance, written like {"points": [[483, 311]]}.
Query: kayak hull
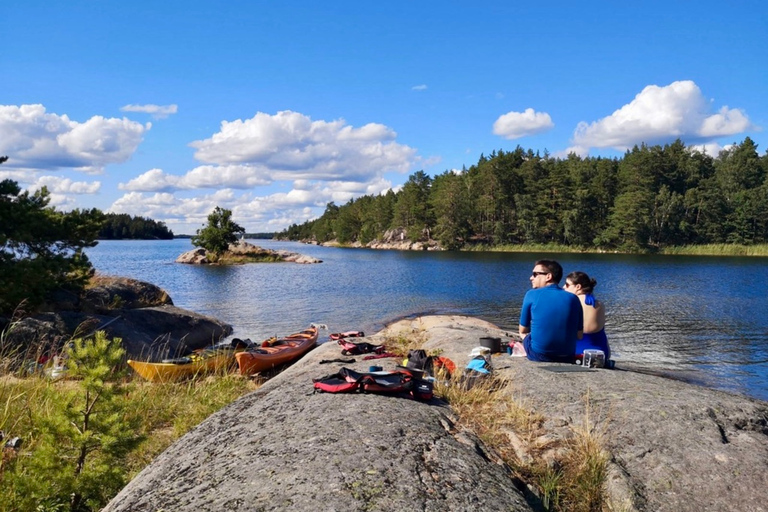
{"points": [[277, 352], [220, 360]]}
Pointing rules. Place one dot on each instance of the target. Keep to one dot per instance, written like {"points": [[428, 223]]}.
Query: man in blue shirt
{"points": [[551, 320]]}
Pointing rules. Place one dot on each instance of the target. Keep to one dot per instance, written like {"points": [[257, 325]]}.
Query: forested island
{"points": [[651, 198], [121, 226]]}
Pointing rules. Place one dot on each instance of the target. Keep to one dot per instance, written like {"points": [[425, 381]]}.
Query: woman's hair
{"points": [[587, 283]]}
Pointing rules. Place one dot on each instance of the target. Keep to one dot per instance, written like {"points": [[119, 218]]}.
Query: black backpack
{"points": [[419, 360]]}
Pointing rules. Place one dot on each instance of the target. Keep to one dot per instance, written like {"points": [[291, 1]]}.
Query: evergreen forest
{"points": [[651, 198], [121, 226]]}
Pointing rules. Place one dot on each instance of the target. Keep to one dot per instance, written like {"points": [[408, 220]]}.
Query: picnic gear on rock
{"points": [[437, 366], [349, 360], [350, 348], [380, 356], [398, 382], [493, 344], [349, 334], [593, 358]]}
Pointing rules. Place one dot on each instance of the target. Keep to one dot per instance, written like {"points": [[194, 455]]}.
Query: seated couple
{"points": [[558, 324]]}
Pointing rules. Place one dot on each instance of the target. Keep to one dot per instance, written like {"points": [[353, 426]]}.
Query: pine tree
{"points": [[77, 464]]}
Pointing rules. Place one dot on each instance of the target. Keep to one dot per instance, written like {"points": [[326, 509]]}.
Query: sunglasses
{"points": [[534, 274]]}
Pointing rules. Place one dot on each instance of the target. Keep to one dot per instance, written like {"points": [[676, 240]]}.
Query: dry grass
{"points": [[170, 410], [401, 343], [166, 410], [568, 474]]}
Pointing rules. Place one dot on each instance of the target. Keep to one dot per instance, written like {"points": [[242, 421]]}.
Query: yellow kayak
{"points": [[209, 360]]}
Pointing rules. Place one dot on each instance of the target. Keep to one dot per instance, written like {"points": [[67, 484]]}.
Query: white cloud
{"points": [[157, 111], [205, 176], [662, 114], [712, 149], [422, 87], [578, 150], [59, 185], [514, 125], [154, 180], [313, 162], [19, 176], [35, 140], [290, 145], [266, 213], [726, 122]]}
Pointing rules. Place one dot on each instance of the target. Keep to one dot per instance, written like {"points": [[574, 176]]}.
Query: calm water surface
{"points": [[701, 316]]}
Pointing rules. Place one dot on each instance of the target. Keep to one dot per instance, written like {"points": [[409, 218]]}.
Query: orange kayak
{"points": [[276, 351]]}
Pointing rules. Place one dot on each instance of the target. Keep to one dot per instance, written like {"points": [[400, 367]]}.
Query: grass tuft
{"points": [[568, 474]]}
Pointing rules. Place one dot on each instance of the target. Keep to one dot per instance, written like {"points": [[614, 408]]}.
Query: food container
{"points": [[593, 358], [492, 343]]}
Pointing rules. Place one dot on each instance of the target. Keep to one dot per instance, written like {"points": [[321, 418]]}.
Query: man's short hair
{"points": [[553, 268]]}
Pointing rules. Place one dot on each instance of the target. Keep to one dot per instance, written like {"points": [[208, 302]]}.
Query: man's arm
{"points": [[525, 316]]}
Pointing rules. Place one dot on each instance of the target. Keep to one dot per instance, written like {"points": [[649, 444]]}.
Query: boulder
{"points": [[196, 256], [140, 313], [105, 293], [672, 445]]}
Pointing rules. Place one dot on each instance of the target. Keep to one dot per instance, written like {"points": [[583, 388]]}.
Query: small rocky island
{"points": [[243, 252]]}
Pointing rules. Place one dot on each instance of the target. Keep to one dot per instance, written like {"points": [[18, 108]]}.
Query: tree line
{"points": [[650, 198], [121, 226]]}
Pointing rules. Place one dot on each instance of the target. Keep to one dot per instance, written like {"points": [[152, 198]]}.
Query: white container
{"points": [[594, 358]]}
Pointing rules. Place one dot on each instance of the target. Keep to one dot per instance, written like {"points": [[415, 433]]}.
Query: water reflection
{"points": [[698, 314]]}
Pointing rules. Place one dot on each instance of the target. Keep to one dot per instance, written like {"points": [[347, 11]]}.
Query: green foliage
{"points": [[41, 249], [412, 210], [83, 437], [654, 197], [121, 226], [220, 231], [127, 426]]}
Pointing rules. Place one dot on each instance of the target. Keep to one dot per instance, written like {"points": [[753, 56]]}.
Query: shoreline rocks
{"points": [[672, 446], [140, 313], [244, 252]]}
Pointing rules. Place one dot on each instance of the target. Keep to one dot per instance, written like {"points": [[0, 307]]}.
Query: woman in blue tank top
{"points": [[581, 285]]}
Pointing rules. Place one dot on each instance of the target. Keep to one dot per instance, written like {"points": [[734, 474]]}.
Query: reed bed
{"points": [[718, 250], [533, 248]]}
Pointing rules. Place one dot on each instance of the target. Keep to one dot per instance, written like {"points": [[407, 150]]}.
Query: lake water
{"points": [[702, 317]]}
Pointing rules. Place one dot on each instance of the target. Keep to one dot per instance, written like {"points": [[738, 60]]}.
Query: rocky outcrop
{"points": [[673, 446], [105, 293], [244, 252], [396, 239], [140, 313]]}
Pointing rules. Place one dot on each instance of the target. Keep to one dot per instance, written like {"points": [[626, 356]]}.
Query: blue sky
{"points": [[272, 109]]}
